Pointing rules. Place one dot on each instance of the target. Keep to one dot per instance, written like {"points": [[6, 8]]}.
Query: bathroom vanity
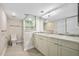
{"points": [[56, 45]]}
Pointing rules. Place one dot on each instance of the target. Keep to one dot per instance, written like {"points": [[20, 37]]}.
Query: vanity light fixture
{"points": [[49, 14], [52, 11]]}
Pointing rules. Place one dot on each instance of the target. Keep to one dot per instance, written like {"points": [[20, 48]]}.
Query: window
{"points": [[30, 22]]}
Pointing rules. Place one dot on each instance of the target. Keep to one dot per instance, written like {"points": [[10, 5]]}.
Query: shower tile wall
{"points": [[15, 26]]}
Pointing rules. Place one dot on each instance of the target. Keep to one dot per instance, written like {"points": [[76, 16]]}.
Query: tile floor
{"points": [[18, 51]]}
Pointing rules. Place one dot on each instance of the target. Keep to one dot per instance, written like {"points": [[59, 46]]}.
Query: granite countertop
{"points": [[63, 37]]}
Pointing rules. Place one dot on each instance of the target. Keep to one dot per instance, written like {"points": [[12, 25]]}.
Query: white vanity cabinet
{"points": [[46, 45], [69, 48], [52, 46], [41, 44]]}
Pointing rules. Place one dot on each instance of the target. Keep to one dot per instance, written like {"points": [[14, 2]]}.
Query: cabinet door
{"points": [[52, 49], [35, 43], [39, 45], [69, 52], [43, 46]]}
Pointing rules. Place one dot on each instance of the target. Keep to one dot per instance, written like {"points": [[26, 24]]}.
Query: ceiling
{"points": [[29, 8]]}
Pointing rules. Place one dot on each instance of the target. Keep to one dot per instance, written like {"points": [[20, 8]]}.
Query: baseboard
{"points": [[4, 51], [19, 42], [28, 48]]}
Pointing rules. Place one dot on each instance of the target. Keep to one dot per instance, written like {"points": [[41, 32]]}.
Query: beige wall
{"points": [[3, 31], [15, 26]]}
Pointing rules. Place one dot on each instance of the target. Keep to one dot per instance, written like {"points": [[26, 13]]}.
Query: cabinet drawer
{"points": [[52, 49], [36, 36], [39, 36], [52, 40], [44, 47], [69, 52], [69, 44]]}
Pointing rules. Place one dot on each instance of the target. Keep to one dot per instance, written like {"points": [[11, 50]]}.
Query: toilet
{"points": [[13, 39]]}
